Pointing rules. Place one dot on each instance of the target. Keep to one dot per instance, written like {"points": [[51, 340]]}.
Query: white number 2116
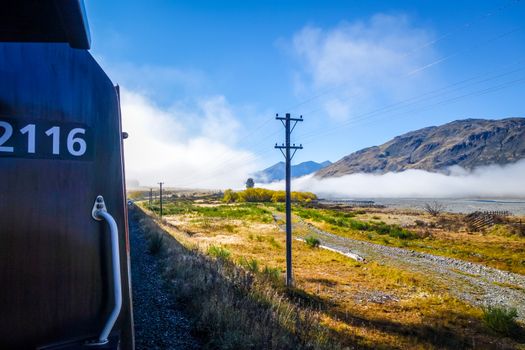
{"points": [[76, 145]]}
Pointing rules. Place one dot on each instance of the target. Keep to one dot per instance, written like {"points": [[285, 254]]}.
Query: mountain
{"points": [[468, 143], [277, 172]]}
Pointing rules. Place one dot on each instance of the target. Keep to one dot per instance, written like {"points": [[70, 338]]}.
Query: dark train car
{"points": [[64, 251]]}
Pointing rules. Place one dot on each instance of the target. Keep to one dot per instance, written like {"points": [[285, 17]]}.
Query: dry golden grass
{"points": [[371, 305]]}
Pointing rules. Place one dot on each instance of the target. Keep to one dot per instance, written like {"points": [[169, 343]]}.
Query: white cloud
{"points": [[219, 122], [156, 81], [364, 62], [182, 148], [488, 181]]}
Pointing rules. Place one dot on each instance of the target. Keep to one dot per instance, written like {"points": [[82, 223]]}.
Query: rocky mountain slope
{"points": [[468, 143], [277, 172]]}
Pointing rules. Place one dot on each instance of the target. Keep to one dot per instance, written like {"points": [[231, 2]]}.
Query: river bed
{"points": [[453, 205]]}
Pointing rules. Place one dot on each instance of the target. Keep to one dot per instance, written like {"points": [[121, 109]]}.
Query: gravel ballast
{"points": [[159, 324]]}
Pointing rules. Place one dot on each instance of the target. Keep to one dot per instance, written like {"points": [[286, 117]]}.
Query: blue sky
{"points": [[360, 73]]}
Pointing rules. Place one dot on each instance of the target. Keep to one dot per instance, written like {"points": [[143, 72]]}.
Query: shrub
{"points": [[230, 196], [398, 232], [274, 243], [434, 208], [272, 273], [262, 195], [251, 265], [226, 227], [255, 195], [219, 252], [500, 319], [312, 242], [420, 223], [155, 243], [279, 197], [280, 208]]}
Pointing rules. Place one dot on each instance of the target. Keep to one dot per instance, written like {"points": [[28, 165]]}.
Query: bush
{"points": [[219, 252], [262, 195], [251, 265], [272, 273], [500, 319], [255, 195], [230, 196], [280, 208], [279, 197], [155, 243], [312, 242], [274, 243], [434, 208]]}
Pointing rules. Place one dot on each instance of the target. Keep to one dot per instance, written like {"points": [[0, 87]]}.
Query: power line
{"points": [[426, 66], [439, 103], [436, 62], [433, 94]]}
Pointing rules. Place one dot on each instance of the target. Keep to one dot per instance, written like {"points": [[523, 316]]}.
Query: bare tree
{"points": [[434, 208]]}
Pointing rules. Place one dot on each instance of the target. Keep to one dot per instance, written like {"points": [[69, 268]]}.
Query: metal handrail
{"points": [[100, 213]]}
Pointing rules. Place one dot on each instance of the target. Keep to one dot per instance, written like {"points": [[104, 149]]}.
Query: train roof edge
{"points": [[45, 21]]}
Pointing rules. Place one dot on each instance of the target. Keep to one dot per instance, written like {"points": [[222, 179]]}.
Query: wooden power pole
{"points": [[288, 157], [160, 195]]}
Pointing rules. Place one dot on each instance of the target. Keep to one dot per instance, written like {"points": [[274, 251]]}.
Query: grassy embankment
{"points": [[230, 307], [346, 302]]}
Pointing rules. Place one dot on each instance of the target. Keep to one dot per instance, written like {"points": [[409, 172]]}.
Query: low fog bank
{"points": [[190, 147], [492, 181]]}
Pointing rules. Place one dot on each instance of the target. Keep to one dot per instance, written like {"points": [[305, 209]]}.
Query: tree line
{"points": [[265, 195]]}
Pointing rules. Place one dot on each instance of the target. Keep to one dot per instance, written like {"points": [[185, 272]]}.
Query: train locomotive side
{"points": [[64, 250]]}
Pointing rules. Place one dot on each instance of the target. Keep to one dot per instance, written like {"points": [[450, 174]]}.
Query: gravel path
{"points": [[475, 283], [158, 323]]}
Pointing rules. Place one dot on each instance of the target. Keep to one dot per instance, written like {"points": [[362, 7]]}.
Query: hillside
{"points": [[468, 143], [277, 172]]}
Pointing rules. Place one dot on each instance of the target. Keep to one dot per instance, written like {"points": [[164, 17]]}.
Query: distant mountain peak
{"points": [[276, 172], [468, 143]]}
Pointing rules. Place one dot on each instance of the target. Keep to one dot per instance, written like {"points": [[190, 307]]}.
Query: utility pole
{"points": [[287, 147], [160, 194]]}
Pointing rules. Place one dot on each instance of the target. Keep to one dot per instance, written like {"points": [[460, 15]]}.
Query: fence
{"points": [[480, 220]]}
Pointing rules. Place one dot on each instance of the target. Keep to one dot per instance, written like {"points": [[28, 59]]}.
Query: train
{"points": [[64, 246]]}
